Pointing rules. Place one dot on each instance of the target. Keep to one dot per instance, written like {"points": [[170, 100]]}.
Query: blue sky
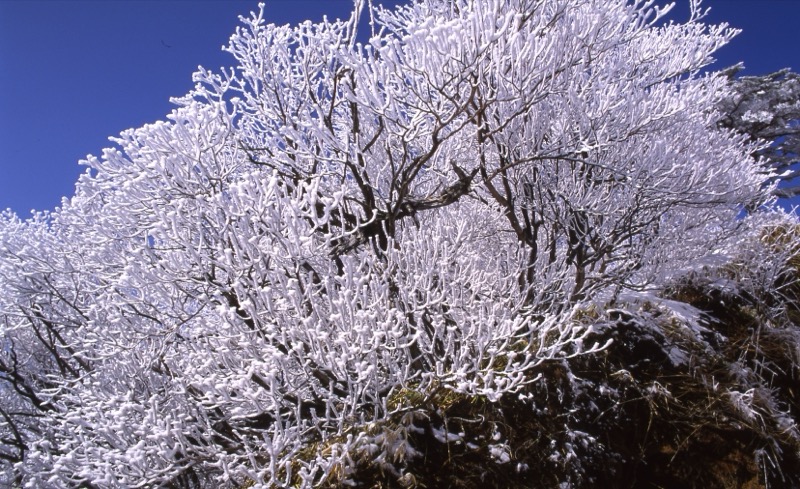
{"points": [[74, 72]]}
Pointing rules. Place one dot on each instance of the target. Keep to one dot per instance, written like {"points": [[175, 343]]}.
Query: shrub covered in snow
{"points": [[499, 244]]}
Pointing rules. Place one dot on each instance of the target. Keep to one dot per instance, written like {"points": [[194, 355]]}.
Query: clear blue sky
{"points": [[74, 72]]}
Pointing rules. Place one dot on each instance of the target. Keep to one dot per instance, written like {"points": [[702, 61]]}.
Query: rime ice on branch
{"points": [[240, 294]]}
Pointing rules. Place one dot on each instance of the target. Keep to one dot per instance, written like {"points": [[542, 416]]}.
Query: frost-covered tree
{"points": [[767, 108], [267, 288]]}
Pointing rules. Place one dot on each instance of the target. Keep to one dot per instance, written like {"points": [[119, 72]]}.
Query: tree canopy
{"points": [[326, 249], [768, 109]]}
